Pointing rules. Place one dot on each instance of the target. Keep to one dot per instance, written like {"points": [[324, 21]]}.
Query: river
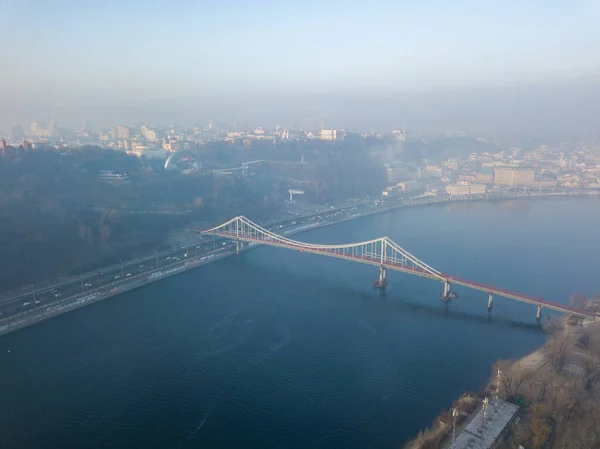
{"points": [[281, 349]]}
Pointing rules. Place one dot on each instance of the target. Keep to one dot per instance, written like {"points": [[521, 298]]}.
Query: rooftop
{"points": [[496, 419]]}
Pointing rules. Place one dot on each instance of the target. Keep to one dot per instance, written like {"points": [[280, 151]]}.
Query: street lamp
{"points": [[121, 267], [33, 292], [81, 279], [156, 256]]}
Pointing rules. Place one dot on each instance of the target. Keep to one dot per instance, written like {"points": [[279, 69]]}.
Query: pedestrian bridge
{"points": [[385, 254]]}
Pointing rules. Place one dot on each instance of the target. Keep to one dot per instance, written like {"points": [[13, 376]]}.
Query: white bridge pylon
{"points": [[382, 252]]}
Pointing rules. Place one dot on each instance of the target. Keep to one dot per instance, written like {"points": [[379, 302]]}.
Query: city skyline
{"points": [[426, 64]]}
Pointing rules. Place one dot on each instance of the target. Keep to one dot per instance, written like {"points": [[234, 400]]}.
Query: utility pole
{"points": [[483, 413], [121, 267], [454, 413], [156, 256], [497, 398], [33, 292], [81, 279]]}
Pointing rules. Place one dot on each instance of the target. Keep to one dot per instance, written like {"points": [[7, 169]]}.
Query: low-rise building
{"points": [[547, 183], [485, 177], [465, 188], [148, 152], [409, 186]]}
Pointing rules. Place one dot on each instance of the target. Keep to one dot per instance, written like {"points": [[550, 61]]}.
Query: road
{"points": [[30, 299]]}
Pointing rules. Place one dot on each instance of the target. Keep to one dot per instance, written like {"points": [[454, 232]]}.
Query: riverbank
{"points": [[557, 388], [112, 288]]}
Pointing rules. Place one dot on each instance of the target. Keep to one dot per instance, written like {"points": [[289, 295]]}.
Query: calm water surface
{"points": [[279, 349]]}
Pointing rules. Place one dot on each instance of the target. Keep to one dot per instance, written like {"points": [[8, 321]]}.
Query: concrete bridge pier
{"points": [[490, 299], [539, 312], [382, 281], [446, 295]]}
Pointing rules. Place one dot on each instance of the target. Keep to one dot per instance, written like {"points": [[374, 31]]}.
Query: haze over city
{"points": [[267, 224], [365, 66]]}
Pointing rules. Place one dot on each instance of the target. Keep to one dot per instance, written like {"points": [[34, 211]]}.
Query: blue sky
{"points": [[185, 46]]}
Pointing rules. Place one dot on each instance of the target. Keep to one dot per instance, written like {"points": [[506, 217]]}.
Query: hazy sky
{"points": [[87, 52]]}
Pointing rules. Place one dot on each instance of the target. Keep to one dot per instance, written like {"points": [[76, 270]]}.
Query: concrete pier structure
{"points": [[382, 281]]}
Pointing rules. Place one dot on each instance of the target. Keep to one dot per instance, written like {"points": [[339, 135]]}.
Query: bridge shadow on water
{"points": [[444, 309], [391, 302], [394, 302]]}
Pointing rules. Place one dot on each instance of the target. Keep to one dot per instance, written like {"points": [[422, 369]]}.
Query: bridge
{"points": [[243, 168], [385, 254]]}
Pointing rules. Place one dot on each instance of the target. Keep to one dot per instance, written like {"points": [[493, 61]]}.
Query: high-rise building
{"points": [[516, 176], [151, 135], [35, 128], [331, 134], [122, 133]]}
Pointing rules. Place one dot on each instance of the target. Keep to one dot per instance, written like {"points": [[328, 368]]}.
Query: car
{"points": [[128, 274], [87, 285], [56, 295], [142, 266], [169, 258], [37, 301], [117, 277], [26, 303]]}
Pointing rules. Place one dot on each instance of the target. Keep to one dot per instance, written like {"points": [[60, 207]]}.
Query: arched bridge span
{"points": [[383, 253]]}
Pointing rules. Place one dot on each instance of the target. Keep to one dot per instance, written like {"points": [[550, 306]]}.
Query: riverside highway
{"points": [[24, 303]]}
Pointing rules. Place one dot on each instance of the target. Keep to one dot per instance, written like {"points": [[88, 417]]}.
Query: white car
{"points": [[128, 274], [117, 277], [26, 303], [37, 301]]}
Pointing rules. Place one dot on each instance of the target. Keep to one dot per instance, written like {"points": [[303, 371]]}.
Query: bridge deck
{"points": [[401, 267]]}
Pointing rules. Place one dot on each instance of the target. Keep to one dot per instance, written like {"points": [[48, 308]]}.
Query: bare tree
{"points": [[578, 300], [512, 377], [584, 339], [556, 351]]}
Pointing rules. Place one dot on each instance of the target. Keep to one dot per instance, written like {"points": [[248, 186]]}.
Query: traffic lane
{"points": [[25, 302], [93, 276], [118, 273], [133, 266], [166, 258]]}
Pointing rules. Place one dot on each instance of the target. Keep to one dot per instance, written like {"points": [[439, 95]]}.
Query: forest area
{"points": [[57, 218]]}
